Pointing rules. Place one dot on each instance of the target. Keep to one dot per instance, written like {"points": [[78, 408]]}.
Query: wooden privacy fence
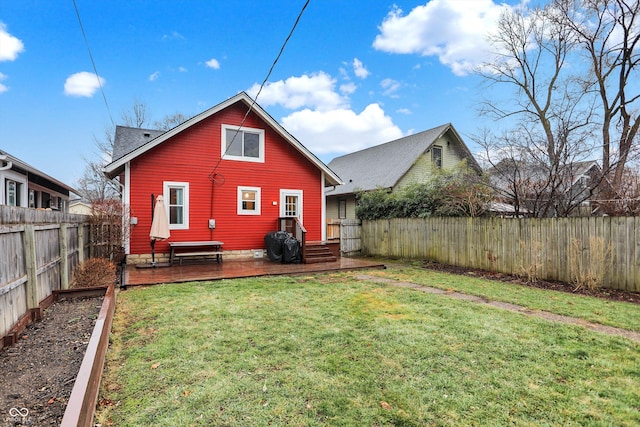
{"points": [[550, 246], [39, 251], [350, 237]]}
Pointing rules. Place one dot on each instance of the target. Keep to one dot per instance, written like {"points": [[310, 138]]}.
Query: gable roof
{"points": [[7, 161], [130, 143], [385, 164], [502, 173], [127, 139]]}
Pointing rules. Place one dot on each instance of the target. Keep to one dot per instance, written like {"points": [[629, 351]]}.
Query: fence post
{"points": [[81, 256], [31, 266], [64, 257]]}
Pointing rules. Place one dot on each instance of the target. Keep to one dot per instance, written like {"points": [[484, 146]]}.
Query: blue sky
{"points": [[354, 74]]}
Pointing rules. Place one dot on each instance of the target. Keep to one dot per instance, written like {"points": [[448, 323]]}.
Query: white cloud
{"points": [[83, 84], [348, 88], [454, 31], [390, 87], [173, 36], [359, 70], [341, 130], [3, 88], [182, 69], [213, 63], [316, 90], [154, 76], [404, 111], [324, 121], [10, 46]]}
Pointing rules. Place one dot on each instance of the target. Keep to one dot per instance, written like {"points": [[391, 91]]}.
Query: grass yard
{"points": [[605, 312], [329, 350]]}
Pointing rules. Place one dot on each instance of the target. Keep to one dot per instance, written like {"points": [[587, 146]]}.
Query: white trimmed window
{"points": [[13, 189], [244, 144], [248, 200], [176, 196], [436, 156]]}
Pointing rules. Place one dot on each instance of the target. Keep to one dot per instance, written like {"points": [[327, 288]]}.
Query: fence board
{"points": [[511, 245], [30, 258]]}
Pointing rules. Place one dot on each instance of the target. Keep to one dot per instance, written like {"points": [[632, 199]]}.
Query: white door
{"points": [[291, 204]]}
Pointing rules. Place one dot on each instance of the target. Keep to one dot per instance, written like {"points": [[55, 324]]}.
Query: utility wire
{"points": [[95, 70], [255, 99]]}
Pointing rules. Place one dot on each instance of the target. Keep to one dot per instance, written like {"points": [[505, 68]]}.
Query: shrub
{"points": [[529, 267], [94, 272], [589, 265], [456, 192]]}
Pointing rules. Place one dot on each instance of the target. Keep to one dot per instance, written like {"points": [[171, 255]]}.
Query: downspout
{"points": [[323, 208]]}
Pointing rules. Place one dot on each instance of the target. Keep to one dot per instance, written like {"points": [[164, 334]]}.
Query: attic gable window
{"points": [[436, 156], [243, 144]]}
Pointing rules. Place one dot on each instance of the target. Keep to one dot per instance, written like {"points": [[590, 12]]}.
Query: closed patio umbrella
{"points": [[159, 226]]}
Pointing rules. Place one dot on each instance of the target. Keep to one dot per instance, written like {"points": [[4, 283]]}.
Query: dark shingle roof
{"points": [[128, 139], [383, 165]]}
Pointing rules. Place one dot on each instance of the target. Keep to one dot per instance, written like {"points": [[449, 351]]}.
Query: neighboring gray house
{"points": [[394, 165], [529, 187], [23, 185]]}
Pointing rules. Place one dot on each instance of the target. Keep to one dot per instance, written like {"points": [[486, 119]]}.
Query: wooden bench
{"points": [[202, 249]]}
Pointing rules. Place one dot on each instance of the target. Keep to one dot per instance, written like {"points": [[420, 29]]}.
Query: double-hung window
{"points": [[436, 156], [244, 144], [176, 196], [248, 200]]}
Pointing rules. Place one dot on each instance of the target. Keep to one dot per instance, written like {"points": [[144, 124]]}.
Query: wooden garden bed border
{"points": [[81, 407]]}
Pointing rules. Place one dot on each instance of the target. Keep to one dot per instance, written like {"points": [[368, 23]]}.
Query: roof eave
{"points": [[331, 178], [30, 169]]}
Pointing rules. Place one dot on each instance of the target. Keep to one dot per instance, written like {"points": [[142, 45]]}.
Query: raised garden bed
{"points": [[49, 373]]}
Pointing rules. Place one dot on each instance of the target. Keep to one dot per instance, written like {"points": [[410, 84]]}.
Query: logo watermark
{"points": [[19, 417]]}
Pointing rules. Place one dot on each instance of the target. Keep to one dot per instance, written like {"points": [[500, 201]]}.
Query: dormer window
{"points": [[244, 144]]}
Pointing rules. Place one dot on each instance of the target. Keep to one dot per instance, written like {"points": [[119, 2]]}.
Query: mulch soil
{"points": [[604, 293], [37, 374]]}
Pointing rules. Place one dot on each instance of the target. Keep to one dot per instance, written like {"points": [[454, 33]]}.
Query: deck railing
{"points": [[293, 226]]}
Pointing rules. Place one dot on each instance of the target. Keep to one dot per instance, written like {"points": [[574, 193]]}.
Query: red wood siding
{"points": [[191, 157]]}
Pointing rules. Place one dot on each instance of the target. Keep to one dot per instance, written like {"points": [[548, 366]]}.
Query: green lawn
{"points": [[329, 350]]}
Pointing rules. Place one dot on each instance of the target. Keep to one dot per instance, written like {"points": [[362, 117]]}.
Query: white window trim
{"points": [[185, 187], [257, 190], [286, 192], [24, 191], [223, 144], [433, 158]]}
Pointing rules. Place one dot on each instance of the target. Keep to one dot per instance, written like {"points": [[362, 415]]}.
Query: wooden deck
{"points": [[236, 269]]}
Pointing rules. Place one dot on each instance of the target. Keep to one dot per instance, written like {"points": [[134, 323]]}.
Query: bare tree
{"points": [[93, 185], [607, 32], [138, 116], [170, 121], [627, 200], [550, 115]]}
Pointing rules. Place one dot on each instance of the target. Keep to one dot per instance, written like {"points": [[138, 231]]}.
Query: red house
{"points": [[229, 174]]}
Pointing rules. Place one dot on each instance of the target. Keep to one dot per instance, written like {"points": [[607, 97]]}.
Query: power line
{"points": [[95, 70], [255, 99]]}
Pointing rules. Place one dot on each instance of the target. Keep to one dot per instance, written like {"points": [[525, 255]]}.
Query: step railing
{"points": [[293, 226]]}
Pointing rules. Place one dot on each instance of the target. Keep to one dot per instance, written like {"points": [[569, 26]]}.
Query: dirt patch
{"points": [[37, 374], [604, 293]]}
